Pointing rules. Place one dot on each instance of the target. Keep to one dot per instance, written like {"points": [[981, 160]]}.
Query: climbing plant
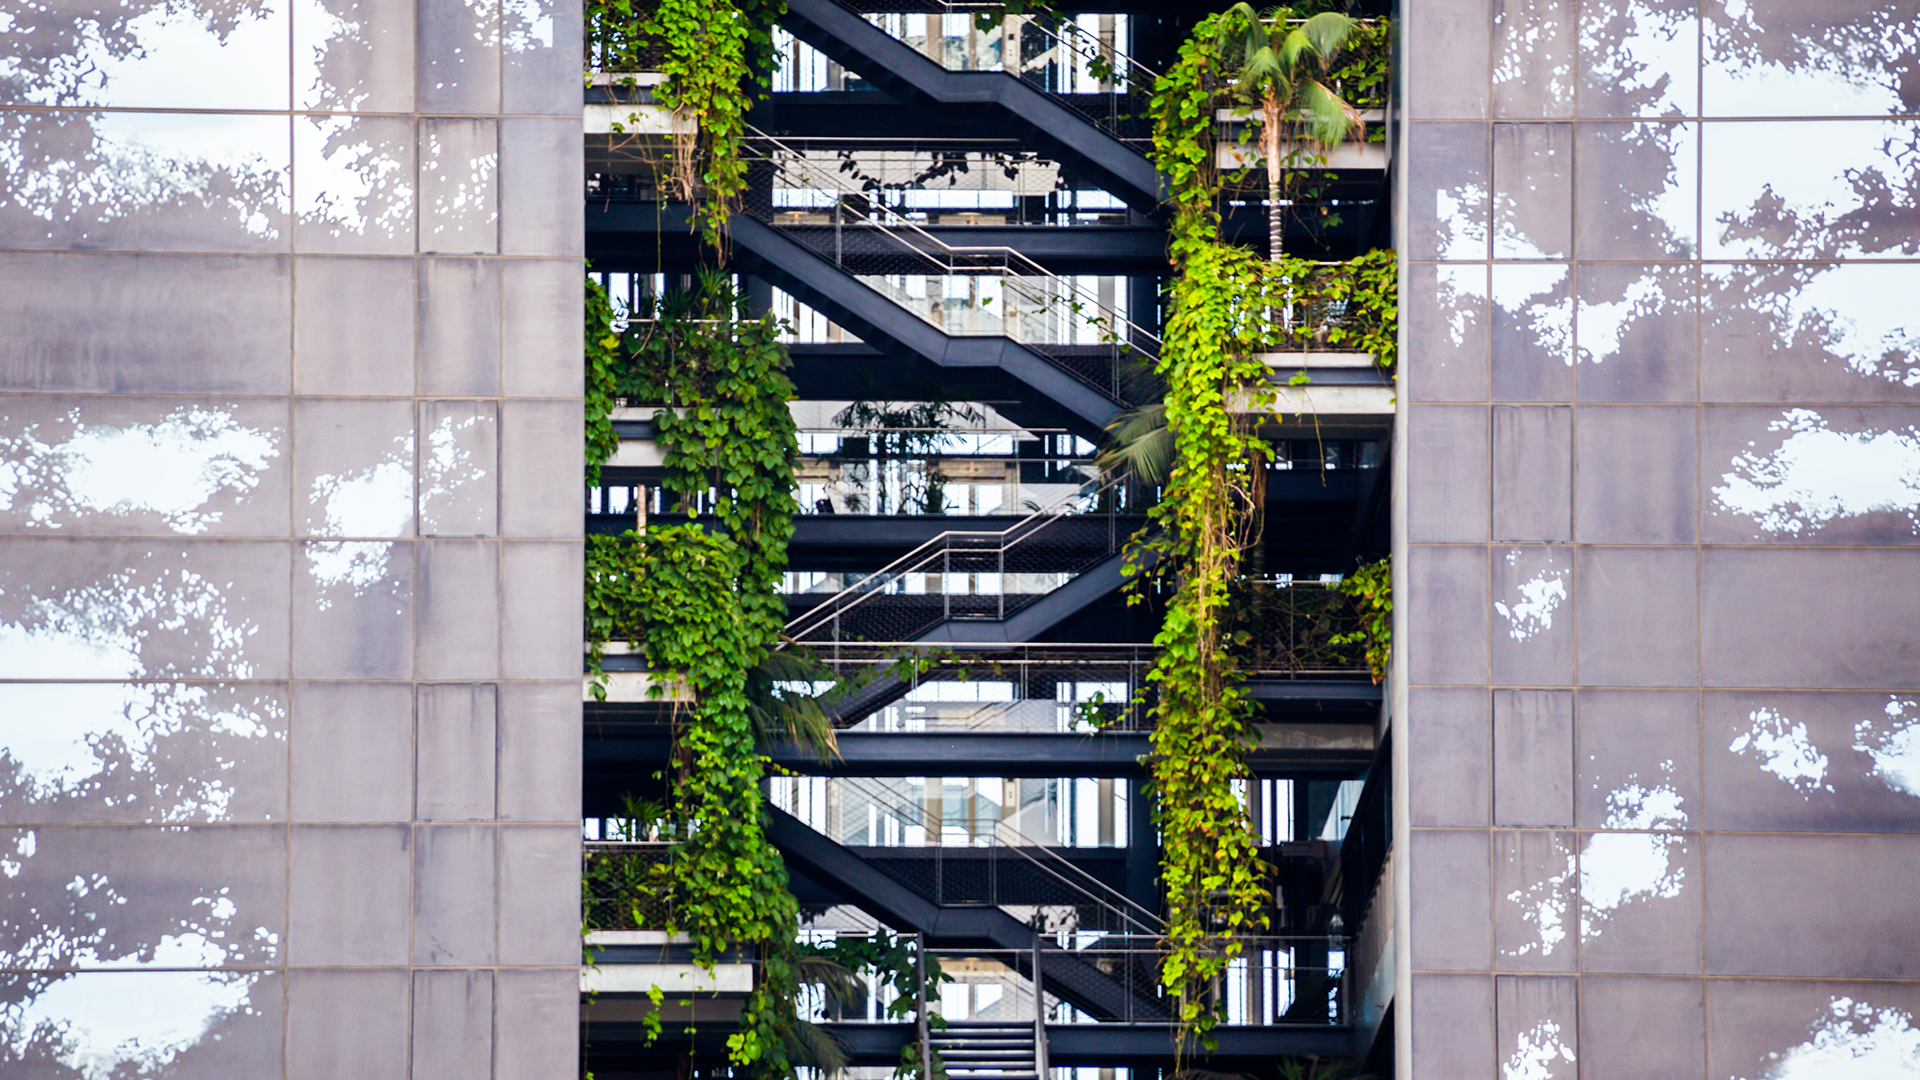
{"points": [[1225, 306], [1352, 305], [1371, 588], [720, 379], [1210, 866], [710, 54], [729, 883], [704, 608], [604, 355]]}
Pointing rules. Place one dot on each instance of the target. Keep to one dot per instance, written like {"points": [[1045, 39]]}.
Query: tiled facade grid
{"points": [[1656, 676], [289, 539]]}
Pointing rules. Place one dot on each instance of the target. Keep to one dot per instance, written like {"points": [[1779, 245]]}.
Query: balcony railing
{"points": [[1275, 980], [975, 575], [624, 885]]}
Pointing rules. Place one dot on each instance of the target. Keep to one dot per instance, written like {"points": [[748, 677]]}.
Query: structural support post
{"points": [[1143, 849]]}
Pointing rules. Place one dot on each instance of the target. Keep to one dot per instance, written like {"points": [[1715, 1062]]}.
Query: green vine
{"points": [[1210, 865], [705, 608], [721, 380], [1225, 307], [1363, 74], [709, 52], [604, 357], [730, 883], [1353, 305], [1371, 588]]}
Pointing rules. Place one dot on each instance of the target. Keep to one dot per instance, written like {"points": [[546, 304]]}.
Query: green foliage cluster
{"points": [[892, 958], [1224, 308], [705, 606], [1210, 865], [604, 356], [715, 56], [729, 883], [989, 18], [710, 52], [1371, 588], [1354, 305], [720, 378], [1363, 73]]}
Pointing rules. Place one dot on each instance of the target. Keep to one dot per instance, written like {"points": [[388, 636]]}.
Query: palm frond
{"points": [[840, 981], [1327, 34], [1326, 116], [810, 1046], [785, 712], [1142, 445]]}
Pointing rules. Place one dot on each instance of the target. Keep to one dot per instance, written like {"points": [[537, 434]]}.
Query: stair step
{"points": [[970, 1054]]}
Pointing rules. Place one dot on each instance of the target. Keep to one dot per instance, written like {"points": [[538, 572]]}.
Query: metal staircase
{"points": [[967, 585], [900, 905], [851, 256], [990, 1049], [1049, 121]]}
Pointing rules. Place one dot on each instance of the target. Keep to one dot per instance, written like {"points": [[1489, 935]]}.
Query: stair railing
{"points": [[1039, 1014], [1125, 83], [1128, 916], [923, 1031], [926, 246], [975, 552], [873, 242]]}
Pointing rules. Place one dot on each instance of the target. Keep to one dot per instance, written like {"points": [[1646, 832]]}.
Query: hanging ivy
{"points": [[604, 356], [1203, 719], [710, 53], [1371, 588], [720, 378], [729, 883], [705, 609], [1225, 306]]}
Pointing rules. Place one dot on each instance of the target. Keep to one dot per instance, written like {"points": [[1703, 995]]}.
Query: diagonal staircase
{"points": [[988, 1050], [774, 256], [887, 898], [1044, 119]]}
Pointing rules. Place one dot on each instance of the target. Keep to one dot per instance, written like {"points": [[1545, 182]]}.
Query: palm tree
{"points": [[1275, 62]]}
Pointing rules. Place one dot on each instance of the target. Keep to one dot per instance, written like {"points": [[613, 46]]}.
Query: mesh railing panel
{"points": [[624, 886], [1290, 628], [1089, 73], [975, 575], [984, 291]]}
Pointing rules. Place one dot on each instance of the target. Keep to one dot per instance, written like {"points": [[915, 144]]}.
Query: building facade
{"points": [[293, 756], [290, 630], [1656, 663]]}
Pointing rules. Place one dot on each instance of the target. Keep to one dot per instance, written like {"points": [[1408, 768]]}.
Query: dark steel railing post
{"points": [[1001, 554], [921, 1028], [1039, 1015]]}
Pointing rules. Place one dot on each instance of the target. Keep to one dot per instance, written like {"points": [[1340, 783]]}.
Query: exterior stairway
{"points": [[770, 254], [894, 903], [989, 1050], [1047, 122]]}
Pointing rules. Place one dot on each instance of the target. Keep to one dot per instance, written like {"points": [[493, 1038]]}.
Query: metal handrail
{"points": [[1137, 79], [1047, 861], [1027, 267], [1138, 74], [939, 547]]}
